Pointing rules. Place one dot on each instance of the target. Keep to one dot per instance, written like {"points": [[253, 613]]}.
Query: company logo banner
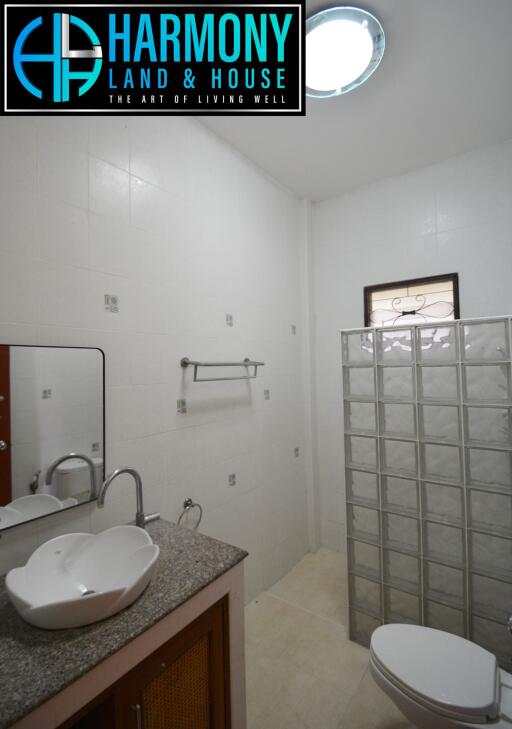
{"points": [[208, 58]]}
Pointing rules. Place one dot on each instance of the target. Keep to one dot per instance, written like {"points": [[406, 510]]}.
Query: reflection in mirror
{"points": [[52, 430]]}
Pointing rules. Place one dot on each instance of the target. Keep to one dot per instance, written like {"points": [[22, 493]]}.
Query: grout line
{"points": [[305, 610], [349, 702]]}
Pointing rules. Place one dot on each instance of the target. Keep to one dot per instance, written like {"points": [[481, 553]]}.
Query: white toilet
{"points": [[73, 478], [440, 681]]}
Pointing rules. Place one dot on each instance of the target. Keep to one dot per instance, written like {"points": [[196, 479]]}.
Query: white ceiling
{"points": [[444, 87]]}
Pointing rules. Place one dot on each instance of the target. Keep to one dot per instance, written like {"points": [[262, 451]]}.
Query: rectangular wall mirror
{"points": [[52, 409]]}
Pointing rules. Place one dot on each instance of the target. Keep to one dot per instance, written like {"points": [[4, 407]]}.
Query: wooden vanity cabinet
{"points": [[182, 685]]}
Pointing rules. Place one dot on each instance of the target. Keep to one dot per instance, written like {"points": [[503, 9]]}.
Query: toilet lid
{"points": [[448, 674]]}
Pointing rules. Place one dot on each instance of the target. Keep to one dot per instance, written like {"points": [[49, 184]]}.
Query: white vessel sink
{"points": [[30, 507], [9, 517], [78, 579]]}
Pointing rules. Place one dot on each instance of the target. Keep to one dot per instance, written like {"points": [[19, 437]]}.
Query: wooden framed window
{"points": [[416, 301]]}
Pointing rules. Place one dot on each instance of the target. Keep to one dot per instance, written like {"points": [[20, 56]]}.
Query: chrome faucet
{"points": [[69, 456], [140, 518]]}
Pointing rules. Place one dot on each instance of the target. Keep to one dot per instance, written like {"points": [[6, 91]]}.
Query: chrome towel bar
{"points": [[247, 363]]}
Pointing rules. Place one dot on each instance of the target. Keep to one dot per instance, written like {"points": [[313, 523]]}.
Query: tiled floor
{"points": [[302, 672]]}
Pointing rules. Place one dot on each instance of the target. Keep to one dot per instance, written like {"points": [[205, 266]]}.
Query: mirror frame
{"points": [[103, 420]]}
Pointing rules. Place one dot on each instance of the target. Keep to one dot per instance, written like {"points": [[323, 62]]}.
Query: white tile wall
{"points": [[183, 230], [454, 216]]}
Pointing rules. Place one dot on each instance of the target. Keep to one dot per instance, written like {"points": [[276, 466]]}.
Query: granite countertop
{"points": [[36, 664]]}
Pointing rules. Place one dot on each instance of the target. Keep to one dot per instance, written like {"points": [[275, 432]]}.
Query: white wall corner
{"points": [[307, 315]]}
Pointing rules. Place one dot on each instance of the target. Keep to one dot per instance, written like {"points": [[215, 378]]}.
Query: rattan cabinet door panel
{"points": [[180, 695], [183, 685]]}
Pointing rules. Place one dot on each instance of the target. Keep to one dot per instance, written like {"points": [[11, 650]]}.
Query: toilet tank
{"points": [[72, 478]]}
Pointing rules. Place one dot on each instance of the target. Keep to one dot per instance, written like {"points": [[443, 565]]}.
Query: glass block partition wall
{"points": [[428, 450]]}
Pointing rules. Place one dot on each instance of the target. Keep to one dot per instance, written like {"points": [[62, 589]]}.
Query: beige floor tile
{"points": [[279, 716], [324, 651], [319, 704], [318, 584], [304, 702], [370, 708], [302, 671], [273, 626], [265, 683]]}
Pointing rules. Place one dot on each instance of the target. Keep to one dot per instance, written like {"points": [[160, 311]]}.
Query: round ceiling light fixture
{"points": [[344, 46]]}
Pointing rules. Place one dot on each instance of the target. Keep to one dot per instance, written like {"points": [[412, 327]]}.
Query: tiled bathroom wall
{"points": [[428, 451], [455, 216], [184, 231]]}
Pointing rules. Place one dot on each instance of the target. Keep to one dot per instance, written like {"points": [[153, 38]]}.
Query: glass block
{"points": [[363, 523], [364, 558], [443, 617], [396, 383], [362, 627], [362, 487], [359, 382], [399, 457], [443, 503], [401, 607], [489, 468], [484, 383], [358, 347], [361, 451], [437, 344], [492, 636], [402, 571], [440, 422], [491, 597], [486, 340], [398, 420], [439, 383], [401, 532], [444, 543], [491, 512], [364, 594], [488, 425], [395, 345], [444, 583], [400, 494], [491, 555], [361, 417], [441, 462]]}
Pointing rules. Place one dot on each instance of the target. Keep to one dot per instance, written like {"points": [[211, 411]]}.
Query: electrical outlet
{"points": [[232, 479], [181, 407], [294, 329], [95, 447], [296, 452], [46, 394], [229, 320], [266, 394]]}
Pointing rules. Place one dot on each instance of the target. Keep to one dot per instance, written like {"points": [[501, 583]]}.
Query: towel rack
{"points": [[247, 363], [190, 504]]}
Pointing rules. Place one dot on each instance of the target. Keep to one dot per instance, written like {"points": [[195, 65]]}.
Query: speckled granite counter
{"points": [[36, 664]]}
